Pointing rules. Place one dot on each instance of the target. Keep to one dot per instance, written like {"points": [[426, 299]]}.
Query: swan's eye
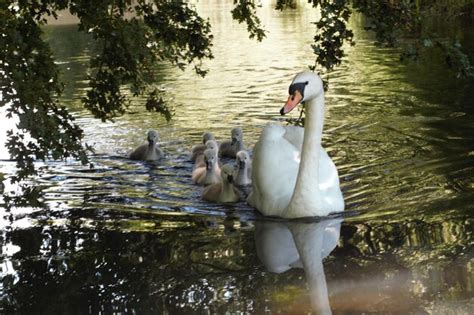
{"points": [[297, 87]]}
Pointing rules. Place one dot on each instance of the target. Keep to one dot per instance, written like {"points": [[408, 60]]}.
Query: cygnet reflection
{"points": [[282, 246]]}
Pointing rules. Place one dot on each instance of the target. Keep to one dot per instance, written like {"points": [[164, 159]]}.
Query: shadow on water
{"points": [[135, 237]]}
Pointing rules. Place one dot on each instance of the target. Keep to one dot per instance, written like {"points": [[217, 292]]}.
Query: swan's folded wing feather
{"points": [[274, 170], [294, 135], [328, 175]]}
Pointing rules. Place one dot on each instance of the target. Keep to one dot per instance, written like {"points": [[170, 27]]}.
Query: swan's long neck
{"points": [[306, 190]]}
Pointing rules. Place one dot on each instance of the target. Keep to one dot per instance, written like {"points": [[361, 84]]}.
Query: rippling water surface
{"points": [[135, 237]]}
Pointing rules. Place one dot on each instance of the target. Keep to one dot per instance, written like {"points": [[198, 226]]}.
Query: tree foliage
{"points": [[403, 23], [332, 33], [132, 45], [244, 11], [29, 84], [133, 36]]}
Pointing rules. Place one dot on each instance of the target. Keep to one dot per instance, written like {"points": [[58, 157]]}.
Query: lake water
{"points": [[132, 237]]}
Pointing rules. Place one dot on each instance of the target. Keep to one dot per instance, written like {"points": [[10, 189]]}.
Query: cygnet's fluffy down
{"points": [[243, 169], [230, 148], [200, 162], [148, 152], [210, 172], [199, 149], [224, 191]]}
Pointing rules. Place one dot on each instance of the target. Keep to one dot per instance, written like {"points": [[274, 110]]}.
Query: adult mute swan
{"points": [[292, 175], [150, 151]]}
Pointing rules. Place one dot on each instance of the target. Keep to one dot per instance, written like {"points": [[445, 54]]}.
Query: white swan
{"points": [[225, 191], [292, 175], [148, 152]]}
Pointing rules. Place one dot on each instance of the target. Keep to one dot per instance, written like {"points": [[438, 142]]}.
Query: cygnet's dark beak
{"points": [[234, 141], [241, 164], [208, 165], [230, 178]]}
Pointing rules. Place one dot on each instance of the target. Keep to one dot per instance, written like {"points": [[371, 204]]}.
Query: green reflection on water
{"points": [[134, 237], [213, 265]]}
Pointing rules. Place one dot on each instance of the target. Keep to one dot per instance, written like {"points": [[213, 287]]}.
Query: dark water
{"points": [[131, 237]]}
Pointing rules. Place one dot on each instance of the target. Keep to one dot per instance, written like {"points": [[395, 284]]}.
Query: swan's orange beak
{"points": [[292, 102]]}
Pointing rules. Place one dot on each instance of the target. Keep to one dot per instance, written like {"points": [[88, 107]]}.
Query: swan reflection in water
{"points": [[283, 246]]}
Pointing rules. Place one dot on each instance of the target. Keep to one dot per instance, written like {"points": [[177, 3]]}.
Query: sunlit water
{"points": [[135, 237]]}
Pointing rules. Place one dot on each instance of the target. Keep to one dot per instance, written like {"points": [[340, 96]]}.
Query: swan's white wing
{"points": [[274, 169], [330, 193], [328, 175], [294, 135]]}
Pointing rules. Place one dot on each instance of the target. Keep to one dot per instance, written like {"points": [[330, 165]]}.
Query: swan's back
{"points": [[274, 170]]}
